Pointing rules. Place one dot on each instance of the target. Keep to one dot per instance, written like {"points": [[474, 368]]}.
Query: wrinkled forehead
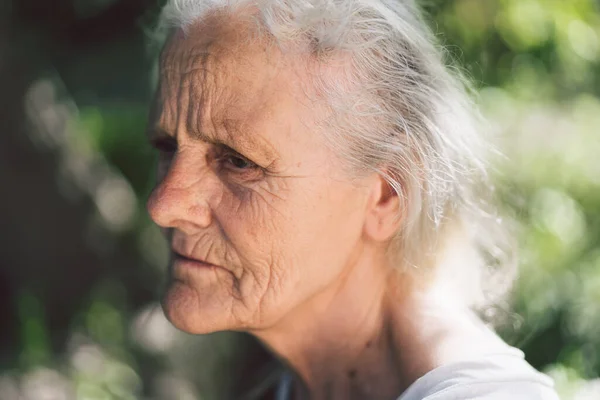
{"points": [[226, 62], [225, 52], [213, 73], [218, 35]]}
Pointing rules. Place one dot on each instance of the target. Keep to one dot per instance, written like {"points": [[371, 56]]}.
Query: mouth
{"points": [[186, 261]]}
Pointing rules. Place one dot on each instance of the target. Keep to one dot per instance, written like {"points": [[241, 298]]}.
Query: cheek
{"points": [[332, 229], [257, 223], [254, 215], [258, 228], [292, 239]]}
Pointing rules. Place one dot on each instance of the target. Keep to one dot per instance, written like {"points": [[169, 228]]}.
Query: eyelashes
{"points": [[235, 165], [232, 159]]}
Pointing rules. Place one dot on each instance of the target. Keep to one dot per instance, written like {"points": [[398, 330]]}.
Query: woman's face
{"points": [[246, 183]]}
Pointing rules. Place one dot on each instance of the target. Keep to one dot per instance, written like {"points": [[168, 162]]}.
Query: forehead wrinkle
{"points": [[211, 97], [218, 94], [181, 89], [201, 90]]}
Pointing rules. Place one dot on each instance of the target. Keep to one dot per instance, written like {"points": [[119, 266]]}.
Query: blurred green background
{"points": [[81, 265]]}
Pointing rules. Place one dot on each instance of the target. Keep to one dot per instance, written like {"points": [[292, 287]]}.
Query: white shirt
{"points": [[503, 375], [496, 376]]}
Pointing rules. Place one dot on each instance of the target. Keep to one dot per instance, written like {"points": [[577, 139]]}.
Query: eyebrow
{"points": [[244, 147], [157, 132]]}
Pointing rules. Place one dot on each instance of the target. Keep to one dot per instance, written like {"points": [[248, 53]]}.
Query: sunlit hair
{"points": [[404, 113]]}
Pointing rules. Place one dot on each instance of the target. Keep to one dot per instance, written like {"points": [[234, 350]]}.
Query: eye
{"points": [[237, 167], [233, 161], [239, 162]]}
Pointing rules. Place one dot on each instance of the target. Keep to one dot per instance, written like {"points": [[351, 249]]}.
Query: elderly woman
{"points": [[320, 184]]}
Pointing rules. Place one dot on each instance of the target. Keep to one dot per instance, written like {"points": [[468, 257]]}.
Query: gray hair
{"points": [[409, 117]]}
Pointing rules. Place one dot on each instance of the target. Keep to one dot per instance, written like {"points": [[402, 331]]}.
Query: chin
{"points": [[195, 312]]}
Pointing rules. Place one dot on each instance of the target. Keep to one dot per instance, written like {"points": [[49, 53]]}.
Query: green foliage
{"points": [[551, 46], [35, 344], [119, 132]]}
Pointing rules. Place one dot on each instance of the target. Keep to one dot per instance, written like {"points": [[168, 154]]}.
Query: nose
{"points": [[181, 199]]}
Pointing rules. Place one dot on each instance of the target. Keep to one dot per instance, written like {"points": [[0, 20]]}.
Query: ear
{"points": [[383, 216]]}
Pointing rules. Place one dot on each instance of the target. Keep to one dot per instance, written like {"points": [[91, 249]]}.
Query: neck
{"points": [[351, 341]]}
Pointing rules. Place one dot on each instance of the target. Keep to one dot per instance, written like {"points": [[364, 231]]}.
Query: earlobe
{"points": [[384, 215]]}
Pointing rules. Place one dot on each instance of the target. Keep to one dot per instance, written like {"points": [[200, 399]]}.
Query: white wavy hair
{"points": [[409, 117]]}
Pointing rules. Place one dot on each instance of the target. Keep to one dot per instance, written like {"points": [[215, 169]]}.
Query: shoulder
{"points": [[503, 375]]}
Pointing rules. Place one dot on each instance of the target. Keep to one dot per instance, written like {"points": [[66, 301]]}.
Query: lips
{"points": [[185, 258], [180, 257]]}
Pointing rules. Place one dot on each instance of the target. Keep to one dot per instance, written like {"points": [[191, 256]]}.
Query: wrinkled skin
{"points": [[294, 248], [246, 183]]}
